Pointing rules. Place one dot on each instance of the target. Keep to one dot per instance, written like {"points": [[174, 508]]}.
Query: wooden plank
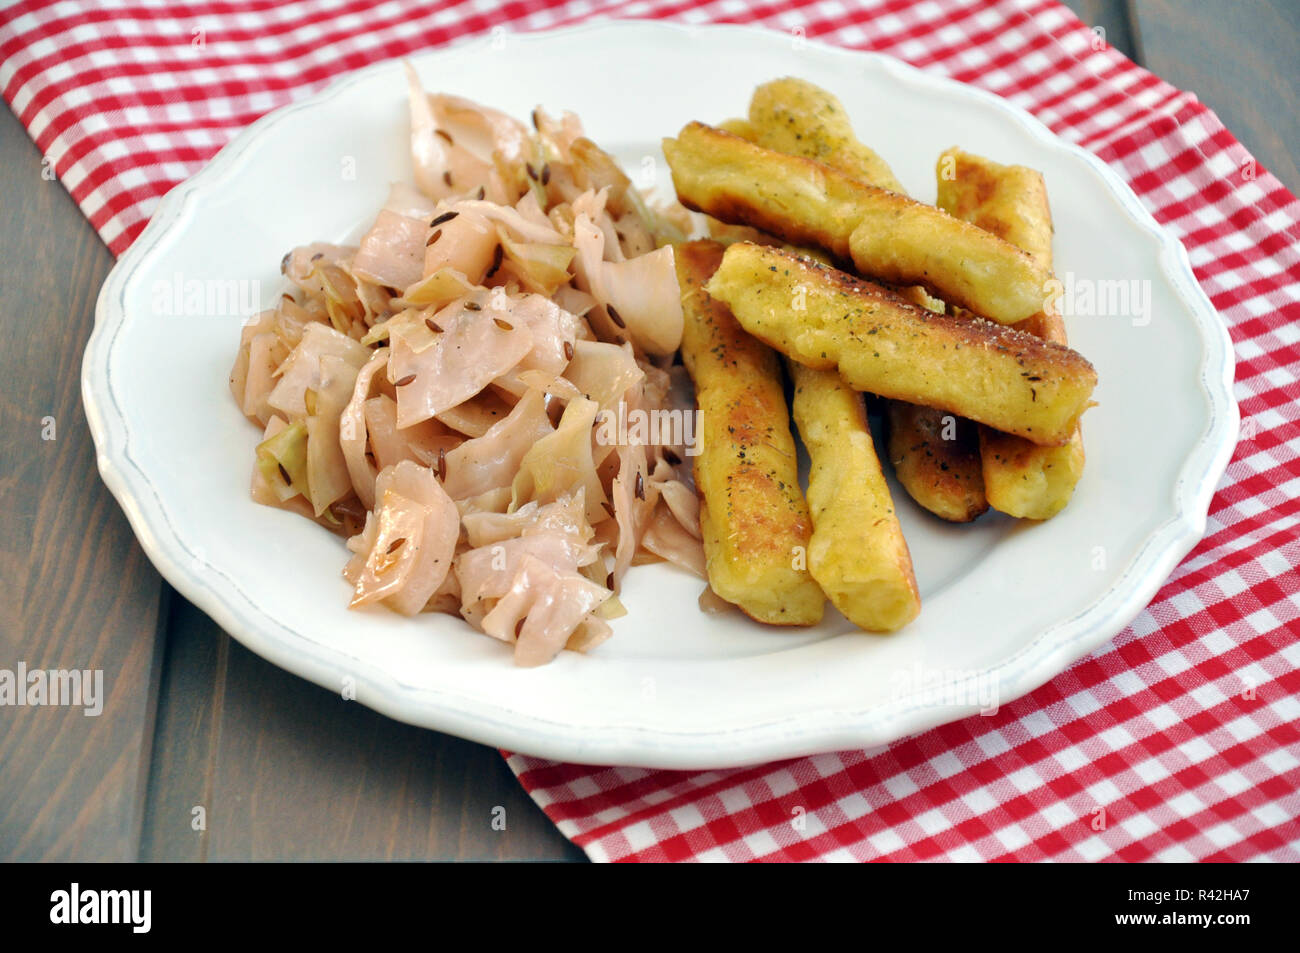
{"points": [[1240, 60], [1113, 17], [286, 770], [79, 592], [191, 689], [302, 774]]}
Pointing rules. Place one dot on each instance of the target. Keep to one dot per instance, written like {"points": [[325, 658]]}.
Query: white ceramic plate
{"points": [[1007, 605]]}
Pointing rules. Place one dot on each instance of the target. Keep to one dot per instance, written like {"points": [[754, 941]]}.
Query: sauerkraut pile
{"points": [[437, 394]]}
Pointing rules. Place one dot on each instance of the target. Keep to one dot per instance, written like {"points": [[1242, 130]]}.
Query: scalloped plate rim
{"points": [[641, 745]]}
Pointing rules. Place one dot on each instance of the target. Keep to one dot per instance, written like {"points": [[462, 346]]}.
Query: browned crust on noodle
{"points": [[969, 330]]}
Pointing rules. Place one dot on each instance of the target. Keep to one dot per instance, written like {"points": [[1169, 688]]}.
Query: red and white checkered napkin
{"points": [[1180, 740]]}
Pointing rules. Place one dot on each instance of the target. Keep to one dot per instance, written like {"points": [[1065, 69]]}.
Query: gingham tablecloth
{"points": [[1178, 741]]}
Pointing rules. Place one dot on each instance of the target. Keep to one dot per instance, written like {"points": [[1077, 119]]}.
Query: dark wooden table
{"points": [[283, 769]]}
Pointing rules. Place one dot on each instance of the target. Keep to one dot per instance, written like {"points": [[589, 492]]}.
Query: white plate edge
{"points": [[1161, 552]]}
